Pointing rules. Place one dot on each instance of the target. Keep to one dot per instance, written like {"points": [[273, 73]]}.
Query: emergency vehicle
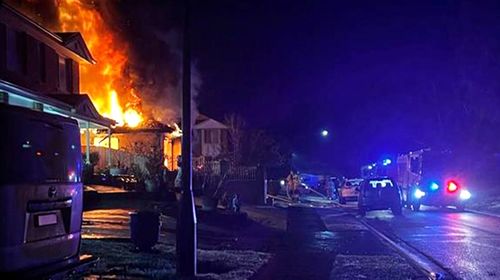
{"points": [[429, 177]]}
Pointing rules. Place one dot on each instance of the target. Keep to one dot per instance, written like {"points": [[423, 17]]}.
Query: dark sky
{"points": [[379, 75], [384, 77]]}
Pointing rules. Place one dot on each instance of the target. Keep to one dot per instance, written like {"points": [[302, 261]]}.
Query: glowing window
{"points": [[103, 142]]}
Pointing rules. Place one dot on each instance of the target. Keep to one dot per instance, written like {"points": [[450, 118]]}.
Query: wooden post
{"points": [[109, 147], [87, 143]]}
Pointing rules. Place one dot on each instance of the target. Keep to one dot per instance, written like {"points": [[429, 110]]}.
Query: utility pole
{"points": [[186, 219]]}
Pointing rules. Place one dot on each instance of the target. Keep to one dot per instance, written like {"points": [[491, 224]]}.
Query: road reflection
{"points": [[465, 243], [109, 223]]}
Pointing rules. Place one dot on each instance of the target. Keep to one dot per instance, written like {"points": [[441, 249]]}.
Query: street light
{"points": [[324, 133]]}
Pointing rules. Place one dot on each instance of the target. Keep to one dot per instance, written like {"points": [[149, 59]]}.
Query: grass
{"points": [[119, 259], [371, 267]]}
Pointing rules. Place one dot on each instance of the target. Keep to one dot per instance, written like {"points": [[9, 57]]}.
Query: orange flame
{"points": [[106, 82], [177, 132]]}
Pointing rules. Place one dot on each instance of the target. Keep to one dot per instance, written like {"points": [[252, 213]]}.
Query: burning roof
{"points": [[135, 49], [148, 126]]}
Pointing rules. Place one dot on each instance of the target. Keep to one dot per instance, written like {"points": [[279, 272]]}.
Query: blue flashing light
{"points": [[434, 186], [386, 161], [324, 133]]}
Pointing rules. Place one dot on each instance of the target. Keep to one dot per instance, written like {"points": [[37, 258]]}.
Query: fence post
{"points": [[261, 179]]}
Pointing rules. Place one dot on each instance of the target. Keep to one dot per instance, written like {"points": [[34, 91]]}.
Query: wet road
{"points": [[322, 243], [466, 244]]}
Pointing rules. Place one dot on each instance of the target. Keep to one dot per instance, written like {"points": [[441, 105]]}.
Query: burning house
{"points": [[56, 72], [39, 69]]}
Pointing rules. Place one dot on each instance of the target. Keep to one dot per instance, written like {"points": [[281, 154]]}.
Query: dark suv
{"points": [[379, 194], [40, 190]]}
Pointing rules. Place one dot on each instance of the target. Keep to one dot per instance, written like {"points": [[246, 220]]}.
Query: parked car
{"points": [[379, 194], [349, 190], [40, 190]]}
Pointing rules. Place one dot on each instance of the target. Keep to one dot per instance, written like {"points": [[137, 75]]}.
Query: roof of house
{"points": [[204, 122], [71, 41], [75, 42], [71, 105], [201, 118], [82, 105], [149, 126]]}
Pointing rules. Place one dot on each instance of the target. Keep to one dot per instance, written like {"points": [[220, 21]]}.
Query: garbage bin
{"points": [[144, 229]]}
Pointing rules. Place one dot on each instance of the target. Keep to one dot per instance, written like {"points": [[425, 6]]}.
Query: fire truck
{"points": [[383, 168], [426, 177], [429, 177]]}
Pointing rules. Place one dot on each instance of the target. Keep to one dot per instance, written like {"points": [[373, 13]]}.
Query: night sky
{"points": [[382, 76]]}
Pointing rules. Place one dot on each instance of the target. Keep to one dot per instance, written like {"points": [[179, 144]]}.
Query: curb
{"points": [[422, 263], [483, 213]]}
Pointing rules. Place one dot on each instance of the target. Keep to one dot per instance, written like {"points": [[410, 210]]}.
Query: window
{"points": [[62, 74], [69, 75], [104, 142], [216, 136], [46, 149], [16, 51], [415, 165], [381, 183], [211, 136], [207, 139], [43, 63]]}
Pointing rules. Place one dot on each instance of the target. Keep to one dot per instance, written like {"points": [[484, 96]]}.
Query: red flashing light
{"points": [[452, 186]]}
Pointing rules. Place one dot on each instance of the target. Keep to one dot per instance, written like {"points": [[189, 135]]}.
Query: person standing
{"points": [[293, 182], [178, 179]]}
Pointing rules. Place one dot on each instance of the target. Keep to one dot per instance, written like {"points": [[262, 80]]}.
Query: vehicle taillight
{"points": [[452, 186]]}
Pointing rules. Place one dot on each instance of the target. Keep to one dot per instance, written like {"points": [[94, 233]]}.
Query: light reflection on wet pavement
{"points": [[466, 244], [109, 223]]}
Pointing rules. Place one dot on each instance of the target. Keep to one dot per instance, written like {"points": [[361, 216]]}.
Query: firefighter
{"points": [[289, 184], [235, 203], [293, 183], [178, 179], [326, 185]]}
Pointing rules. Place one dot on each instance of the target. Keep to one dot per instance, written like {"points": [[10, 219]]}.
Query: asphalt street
{"points": [[467, 245], [328, 243]]}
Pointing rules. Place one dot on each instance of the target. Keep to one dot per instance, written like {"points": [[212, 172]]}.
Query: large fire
{"points": [[105, 82]]}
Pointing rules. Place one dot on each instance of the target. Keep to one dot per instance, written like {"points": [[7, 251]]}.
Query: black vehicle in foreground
{"points": [[379, 194], [40, 192]]}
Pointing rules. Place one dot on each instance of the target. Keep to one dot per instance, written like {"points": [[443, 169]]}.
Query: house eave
{"points": [[59, 106]]}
